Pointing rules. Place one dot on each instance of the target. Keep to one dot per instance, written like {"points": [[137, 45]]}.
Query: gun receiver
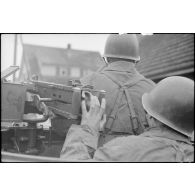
{"points": [[64, 100]]}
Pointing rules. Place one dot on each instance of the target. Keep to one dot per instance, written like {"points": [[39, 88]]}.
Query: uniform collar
{"points": [[122, 71], [121, 66], [165, 133]]}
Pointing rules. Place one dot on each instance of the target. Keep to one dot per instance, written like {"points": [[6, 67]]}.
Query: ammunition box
{"points": [[12, 101]]}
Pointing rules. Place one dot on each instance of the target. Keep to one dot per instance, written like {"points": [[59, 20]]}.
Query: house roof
{"points": [[165, 55], [61, 56]]}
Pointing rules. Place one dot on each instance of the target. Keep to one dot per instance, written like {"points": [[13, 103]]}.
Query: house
{"points": [[164, 55], [58, 65]]}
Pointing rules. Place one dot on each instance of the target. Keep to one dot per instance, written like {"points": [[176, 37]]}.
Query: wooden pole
{"points": [[15, 53]]}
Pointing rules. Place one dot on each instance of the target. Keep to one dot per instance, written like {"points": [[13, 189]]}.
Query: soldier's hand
{"points": [[95, 118]]}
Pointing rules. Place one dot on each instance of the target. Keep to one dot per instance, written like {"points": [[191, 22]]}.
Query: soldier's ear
{"points": [[151, 121], [105, 60]]}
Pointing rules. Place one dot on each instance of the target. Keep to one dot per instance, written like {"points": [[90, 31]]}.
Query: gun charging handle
{"points": [[76, 101], [86, 95], [40, 105]]}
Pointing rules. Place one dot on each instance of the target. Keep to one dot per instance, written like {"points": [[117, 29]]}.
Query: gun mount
{"points": [[24, 105]]}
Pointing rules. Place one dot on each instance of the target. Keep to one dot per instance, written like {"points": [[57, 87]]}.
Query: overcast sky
{"points": [[94, 42]]}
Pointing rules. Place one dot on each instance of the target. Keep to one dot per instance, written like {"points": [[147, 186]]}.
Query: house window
{"points": [[63, 71], [48, 70], [75, 72], [87, 72]]}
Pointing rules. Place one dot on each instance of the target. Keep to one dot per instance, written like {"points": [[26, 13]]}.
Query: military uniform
{"points": [[116, 79], [154, 145]]}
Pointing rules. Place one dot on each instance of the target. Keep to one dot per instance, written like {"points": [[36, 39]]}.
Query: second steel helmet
{"points": [[125, 46], [172, 103]]}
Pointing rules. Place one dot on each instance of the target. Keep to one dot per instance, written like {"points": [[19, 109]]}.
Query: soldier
{"points": [[170, 108], [124, 87]]}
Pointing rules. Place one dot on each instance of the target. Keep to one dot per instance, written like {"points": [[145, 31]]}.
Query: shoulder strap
{"points": [[114, 80], [179, 151], [133, 116], [123, 90], [112, 116], [128, 84]]}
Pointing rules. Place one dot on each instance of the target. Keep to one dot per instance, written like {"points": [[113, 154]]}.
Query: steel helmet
{"points": [[124, 46], [172, 103]]}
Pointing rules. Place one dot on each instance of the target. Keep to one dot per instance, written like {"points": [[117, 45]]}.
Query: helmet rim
{"points": [[121, 57], [148, 107]]}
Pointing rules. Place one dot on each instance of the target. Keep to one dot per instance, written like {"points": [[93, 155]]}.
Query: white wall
{"points": [[7, 50], [94, 42]]}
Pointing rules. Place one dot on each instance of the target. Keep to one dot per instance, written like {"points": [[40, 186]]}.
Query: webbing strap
{"points": [[123, 89], [113, 114], [133, 115], [179, 152], [130, 83]]}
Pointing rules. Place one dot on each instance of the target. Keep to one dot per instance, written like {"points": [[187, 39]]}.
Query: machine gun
{"points": [[22, 133]]}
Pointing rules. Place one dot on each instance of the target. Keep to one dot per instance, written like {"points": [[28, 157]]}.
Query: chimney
{"points": [[69, 46]]}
